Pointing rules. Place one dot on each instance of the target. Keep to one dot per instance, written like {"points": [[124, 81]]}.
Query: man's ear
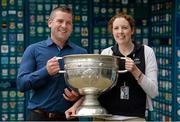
{"points": [[49, 23]]}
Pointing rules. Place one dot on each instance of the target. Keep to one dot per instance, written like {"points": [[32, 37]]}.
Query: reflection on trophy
{"points": [[90, 75]]}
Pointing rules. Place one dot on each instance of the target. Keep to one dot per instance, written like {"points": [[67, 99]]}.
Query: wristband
{"points": [[139, 76]]}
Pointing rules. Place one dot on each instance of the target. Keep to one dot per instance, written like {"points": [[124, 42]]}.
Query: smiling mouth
{"points": [[63, 30], [122, 36]]}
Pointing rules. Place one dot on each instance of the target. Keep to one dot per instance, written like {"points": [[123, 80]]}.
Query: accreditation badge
{"points": [[124, 92]]}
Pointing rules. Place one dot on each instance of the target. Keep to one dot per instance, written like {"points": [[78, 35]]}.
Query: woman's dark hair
{"points": [[123, 15]]}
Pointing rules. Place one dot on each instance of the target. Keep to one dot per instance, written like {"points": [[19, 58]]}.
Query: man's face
{"points": [[61, 26]]}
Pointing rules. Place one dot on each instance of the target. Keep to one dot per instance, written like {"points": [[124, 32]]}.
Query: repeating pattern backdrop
{"points": [[24, 22]]}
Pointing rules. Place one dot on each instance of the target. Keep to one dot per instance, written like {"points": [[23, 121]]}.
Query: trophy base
{"points": [[94, 115], [91, 111]]}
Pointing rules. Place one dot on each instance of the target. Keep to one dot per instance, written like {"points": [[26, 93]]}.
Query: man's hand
{"points": [[53, 66], [70, 95]]}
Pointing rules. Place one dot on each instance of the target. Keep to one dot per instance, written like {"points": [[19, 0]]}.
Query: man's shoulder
{"points": [[77, 47], [36, 44]]}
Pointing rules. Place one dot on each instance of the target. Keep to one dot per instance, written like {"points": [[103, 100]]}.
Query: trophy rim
{"points": [[89, 55]]}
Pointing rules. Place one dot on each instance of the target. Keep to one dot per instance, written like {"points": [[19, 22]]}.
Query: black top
{"points": [[136, 104]]}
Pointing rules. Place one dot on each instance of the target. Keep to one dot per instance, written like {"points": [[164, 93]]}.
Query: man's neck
{"points": [[59, 43]]}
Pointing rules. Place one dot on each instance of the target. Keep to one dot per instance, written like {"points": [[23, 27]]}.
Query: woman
{"points": [[134, 89]]}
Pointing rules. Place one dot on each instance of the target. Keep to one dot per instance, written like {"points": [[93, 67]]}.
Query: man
{"points": [[39, 69]]}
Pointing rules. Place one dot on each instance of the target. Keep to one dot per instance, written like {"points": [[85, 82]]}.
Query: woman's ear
{"points": [[133, 31]]}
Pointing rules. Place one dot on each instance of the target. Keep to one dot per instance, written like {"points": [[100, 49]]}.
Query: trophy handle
{"points": [[122, 71], [119, 71], [60, 58]]}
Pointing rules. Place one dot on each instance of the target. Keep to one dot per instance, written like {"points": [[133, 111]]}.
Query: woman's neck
{"points": [[126, 49]]}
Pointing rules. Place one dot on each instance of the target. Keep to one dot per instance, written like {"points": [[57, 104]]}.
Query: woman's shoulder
{"points": [[148, 48], [107, 51]]}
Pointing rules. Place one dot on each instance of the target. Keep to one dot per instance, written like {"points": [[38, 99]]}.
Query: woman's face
{"points": [[122, 30]]}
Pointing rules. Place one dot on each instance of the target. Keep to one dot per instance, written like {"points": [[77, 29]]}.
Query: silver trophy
{"points": [[90, 75]]}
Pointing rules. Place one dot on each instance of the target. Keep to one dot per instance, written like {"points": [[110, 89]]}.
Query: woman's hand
{"points": [[72, 111], [131, 67]]}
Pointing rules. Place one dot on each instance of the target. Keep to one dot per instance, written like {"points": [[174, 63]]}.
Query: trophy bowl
{"points": [[90, 75]]}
